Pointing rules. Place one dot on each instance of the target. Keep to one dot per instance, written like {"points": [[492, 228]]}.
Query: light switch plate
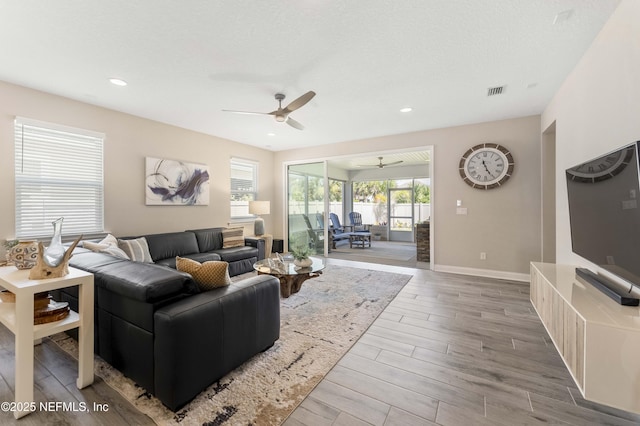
{"points": [[461, 210]]}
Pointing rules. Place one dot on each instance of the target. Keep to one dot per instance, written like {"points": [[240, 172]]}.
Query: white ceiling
{"points": [[362, 162], [186, 61]]}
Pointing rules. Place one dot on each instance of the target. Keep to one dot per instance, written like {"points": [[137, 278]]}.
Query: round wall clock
{"points": [[486, 166], [602, 168]]}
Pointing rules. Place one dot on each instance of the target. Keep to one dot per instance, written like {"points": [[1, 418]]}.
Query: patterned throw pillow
{"points": [[208, 275], [232, 237], [137, 249], [109, 246]]}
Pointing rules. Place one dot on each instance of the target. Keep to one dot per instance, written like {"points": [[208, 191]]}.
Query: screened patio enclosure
{"points": [[390, 205]]}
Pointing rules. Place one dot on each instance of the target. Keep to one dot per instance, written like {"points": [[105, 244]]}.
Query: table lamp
{"points": [[258, 208]]}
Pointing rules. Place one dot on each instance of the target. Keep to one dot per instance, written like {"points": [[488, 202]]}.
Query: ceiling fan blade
{"points": [[293, 123], [392, 164], [247, 112], [300, 102]]}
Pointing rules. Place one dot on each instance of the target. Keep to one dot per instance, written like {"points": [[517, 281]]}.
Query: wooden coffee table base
{"points": [[290, 284]]}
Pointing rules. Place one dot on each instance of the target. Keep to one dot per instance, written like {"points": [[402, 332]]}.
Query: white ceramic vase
{"points": [[24, 254]]}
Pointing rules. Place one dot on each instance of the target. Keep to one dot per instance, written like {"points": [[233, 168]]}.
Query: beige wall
{"points": [[597, 109], [128, 141], [504, 223]]}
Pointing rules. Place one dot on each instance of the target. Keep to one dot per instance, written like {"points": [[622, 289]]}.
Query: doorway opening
{"points": [[391, 201]]}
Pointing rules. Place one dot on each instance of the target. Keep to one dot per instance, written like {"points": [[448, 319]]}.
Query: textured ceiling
{"points": [[186, 61]]}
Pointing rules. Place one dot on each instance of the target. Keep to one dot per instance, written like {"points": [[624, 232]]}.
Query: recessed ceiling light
{"points": [[271, 134], [406, 109], [117, 82]]}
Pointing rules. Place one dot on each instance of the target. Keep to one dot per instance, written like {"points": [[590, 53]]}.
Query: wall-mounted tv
{"points": [[604, 211]]}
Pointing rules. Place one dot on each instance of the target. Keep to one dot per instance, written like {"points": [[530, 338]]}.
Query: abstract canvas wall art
{"points": [[171, 182]]}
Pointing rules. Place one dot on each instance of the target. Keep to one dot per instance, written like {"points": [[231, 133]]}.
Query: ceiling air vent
{"points": [[492, 91]]}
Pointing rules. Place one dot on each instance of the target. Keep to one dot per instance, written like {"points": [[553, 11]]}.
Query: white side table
{"points": [[18, 318]]}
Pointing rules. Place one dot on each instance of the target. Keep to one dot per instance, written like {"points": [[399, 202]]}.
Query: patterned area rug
{"points": [[318, 325]]}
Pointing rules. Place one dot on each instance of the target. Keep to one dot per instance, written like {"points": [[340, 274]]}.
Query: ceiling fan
{"points": [[282, 114], [382, 165]]}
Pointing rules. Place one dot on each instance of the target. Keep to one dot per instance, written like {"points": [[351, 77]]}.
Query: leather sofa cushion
{"points": [[201, 338], [139, 281], [235, 254], [91, 261], [171, 244], [198, 257], [242, 266], [209, 239]]}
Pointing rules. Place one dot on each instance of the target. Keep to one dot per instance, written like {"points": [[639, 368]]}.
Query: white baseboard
{"points": [[488, 273]]}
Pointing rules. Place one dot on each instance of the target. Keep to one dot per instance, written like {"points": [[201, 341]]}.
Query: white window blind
{"points": [[58, 173], [244, 184]]}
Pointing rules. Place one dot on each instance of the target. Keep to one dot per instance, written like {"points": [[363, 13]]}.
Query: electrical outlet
{"points": [[483, 255]]}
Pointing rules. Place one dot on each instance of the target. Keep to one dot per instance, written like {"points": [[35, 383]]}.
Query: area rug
{"points": [[318, 325]]}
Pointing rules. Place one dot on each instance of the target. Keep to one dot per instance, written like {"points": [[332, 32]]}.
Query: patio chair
{"points": [[338, 232], [335, 223], [302, 232], [315, 236], [320, 220], [356, 222]]}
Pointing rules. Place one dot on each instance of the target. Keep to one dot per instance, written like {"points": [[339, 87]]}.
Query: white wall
{"points": [[505, 222], [597, 109], [128, 141]]}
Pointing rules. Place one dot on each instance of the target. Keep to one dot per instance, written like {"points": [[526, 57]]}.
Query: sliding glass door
{"points": [[306, 206]]}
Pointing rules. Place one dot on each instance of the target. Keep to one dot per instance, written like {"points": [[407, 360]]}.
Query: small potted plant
{"points": [[301, 254]]}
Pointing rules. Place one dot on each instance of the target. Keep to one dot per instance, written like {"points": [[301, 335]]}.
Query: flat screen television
{"points": [[604, 212]]}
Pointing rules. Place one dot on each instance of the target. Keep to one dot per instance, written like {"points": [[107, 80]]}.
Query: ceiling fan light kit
{"points": [[281, 115]]}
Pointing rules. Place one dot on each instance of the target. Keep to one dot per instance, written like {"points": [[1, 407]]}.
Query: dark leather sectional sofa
{"points": [[154, 325]]}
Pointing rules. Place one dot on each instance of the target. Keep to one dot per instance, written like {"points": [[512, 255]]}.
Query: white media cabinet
{"points": [[598, 339]]}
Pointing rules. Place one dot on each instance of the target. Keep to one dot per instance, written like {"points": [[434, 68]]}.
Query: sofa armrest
{"points": [[259, 244], [201, 338]]}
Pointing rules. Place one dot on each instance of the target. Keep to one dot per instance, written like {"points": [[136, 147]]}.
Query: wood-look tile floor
{"points": [[449, 350], [453, 350], [55, 374]]}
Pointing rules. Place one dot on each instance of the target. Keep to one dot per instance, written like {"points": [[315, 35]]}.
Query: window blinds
{"points": [[243, 186], [58, 173]]}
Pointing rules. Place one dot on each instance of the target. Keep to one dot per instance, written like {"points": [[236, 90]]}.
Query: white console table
{"points": [[598, 339], [18, 318]]}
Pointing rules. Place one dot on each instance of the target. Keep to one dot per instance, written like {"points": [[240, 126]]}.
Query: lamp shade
{"points": [[259, 207]]}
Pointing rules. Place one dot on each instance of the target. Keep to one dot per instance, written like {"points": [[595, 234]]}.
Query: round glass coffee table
{"points": [[291, 276]]}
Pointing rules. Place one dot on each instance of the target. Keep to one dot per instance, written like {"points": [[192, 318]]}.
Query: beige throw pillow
{"points": [[108, 245], [232, 237], [137, 249], [208, 275]]}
